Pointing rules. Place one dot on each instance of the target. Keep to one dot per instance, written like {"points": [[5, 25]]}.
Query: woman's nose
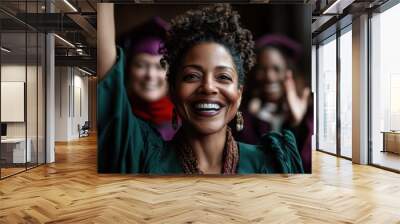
{"points": [[270, 75], [152, 73], [208, 86]]}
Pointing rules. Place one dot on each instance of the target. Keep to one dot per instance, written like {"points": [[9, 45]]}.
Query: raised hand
{"points": [[106, 47], [297, 105]]}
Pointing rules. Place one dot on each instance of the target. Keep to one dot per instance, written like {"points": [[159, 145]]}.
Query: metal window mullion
{"points": [[69, 92], [317, 95], [73, 91], [37, 91], [26, 87], [45, 93], [0, 93], [369, 79], [338, 95]]}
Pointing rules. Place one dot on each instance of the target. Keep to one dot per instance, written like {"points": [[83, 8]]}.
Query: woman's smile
{"points": [[207, 108]]}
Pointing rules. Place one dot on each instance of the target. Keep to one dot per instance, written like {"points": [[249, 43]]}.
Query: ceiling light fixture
{"points": [[84, 71], [337, 7], [326, 11], [70, 5], [65, 41], [5, 50]]}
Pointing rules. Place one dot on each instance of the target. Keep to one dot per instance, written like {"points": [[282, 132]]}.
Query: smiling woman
{"points": [[208, 53], [207, 88]]}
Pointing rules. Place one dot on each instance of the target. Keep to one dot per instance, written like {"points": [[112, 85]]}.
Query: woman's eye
{"points": [[225, 77], [190, 77], [159, 67], [140, 65]]}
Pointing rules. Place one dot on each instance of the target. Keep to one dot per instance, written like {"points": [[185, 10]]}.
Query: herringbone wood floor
{"points": [[70, 191]]}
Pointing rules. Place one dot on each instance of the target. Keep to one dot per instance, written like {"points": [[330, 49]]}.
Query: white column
{"points": [[360, 90], [50, 93]]}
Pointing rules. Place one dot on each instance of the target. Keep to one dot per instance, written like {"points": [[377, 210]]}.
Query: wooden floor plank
{"points": [[71, 191]]}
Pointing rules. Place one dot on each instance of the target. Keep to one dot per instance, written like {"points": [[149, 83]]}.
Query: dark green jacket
{"points": [[127, 144]]}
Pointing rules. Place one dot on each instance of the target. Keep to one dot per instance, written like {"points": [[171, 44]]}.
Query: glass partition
{"points": [[22, 91], [14, 143]]}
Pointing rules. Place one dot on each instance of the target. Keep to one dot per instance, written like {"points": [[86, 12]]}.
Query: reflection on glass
{"points": [[345, 94], [385, 84], [327, 96]]}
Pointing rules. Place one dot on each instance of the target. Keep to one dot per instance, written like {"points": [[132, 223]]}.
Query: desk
{"points": [[391, 141], [13, 150]]}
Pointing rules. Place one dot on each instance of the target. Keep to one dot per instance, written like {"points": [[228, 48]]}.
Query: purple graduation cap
{"points": [[148, 37], [291, 47]]}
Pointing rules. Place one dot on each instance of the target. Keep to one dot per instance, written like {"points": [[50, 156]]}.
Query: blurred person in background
{"points": [[272, 100], [146, 81]]}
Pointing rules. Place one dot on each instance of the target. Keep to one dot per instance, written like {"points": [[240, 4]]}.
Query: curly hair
{"points": [[216, 23]]}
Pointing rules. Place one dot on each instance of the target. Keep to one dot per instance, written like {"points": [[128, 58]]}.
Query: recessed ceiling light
{"points": [[84, 71], [70, 5], [5, 50], [64, 40], [337, 6]]}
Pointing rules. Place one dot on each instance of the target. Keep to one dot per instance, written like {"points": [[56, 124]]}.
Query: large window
{"points": [[327, 96], [335, 74], [345, 43], [385, 88]]}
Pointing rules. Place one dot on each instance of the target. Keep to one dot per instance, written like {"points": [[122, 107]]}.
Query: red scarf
{"points": [[157, 113]]}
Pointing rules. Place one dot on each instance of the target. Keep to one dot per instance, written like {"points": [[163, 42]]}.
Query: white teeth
{"points": [[207, 106], [150, 87], [273, 87]]}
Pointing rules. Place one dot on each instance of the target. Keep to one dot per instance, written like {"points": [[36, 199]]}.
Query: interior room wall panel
{"points": [[62, 98]]}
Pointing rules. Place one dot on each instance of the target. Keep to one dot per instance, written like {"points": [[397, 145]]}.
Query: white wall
{"points": [[71, 102], [15, 72], [80, 110], [10, 73], [61, 103]]}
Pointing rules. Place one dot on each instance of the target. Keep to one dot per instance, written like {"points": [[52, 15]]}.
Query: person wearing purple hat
{"points": [[271, 101], [146, 83]]}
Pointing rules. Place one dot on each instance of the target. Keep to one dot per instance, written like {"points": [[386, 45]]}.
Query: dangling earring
{"points": [[174, 119], [239, 121]]}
